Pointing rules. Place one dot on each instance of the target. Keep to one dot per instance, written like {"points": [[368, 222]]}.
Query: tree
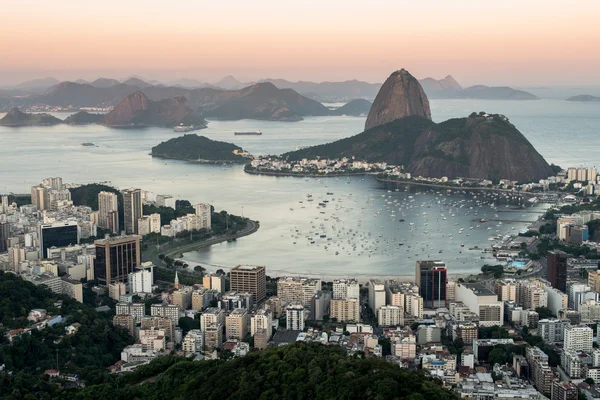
{"points": [[497, 356], [589, 381], [187, 324], [544, 312]]}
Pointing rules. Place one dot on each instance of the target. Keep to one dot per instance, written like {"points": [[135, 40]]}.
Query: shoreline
{"points": [[165, 157], [303, 175], [453, 188]]}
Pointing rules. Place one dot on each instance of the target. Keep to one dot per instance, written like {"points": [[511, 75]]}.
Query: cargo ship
{"points": [[247, 133]]}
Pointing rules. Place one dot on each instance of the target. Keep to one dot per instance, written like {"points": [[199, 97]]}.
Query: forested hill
{"points": [[296, 371]]}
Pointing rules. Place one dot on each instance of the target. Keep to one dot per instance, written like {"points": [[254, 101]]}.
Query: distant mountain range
{"points": [[584, 98]]}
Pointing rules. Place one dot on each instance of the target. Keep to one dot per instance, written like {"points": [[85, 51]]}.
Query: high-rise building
{"points": [[59, 234], [214, 281], [39, 198], [578, 337], [345, 310], [125, 321], [557, 269], [236, 324], [136, 310], [163, 323], [211, 315], [562, 390], [116, 258], [4, 235], [376, 294], [155, 223], [431, 276], [213, 336], [249, 278], [295, 316], [204, 211], [552, 330], [132, 209], [170, 311], [108, 210], [296, 289], [345, 289], [390, 316], [262, 319], [142, 280], [193, 343]]}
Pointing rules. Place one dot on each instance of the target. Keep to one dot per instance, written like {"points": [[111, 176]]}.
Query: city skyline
{"points": [[495, 44]]}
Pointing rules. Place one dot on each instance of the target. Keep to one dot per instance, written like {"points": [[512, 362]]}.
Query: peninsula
{"points": [[16, 117]]}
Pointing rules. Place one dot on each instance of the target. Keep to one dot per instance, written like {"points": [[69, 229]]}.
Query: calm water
{"points": [[564, 133]]}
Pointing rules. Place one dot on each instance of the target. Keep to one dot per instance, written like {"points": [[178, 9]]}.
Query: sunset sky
{"points": [[506, 42]]}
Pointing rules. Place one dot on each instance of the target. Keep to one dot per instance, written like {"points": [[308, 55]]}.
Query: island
{"points": [[16, 117], [199, 149], [88, 144], [356, 107], [84, 118], [584, 98]]}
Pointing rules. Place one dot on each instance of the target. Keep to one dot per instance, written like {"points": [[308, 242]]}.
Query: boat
{"points": [[249, 133], [185, 128]]}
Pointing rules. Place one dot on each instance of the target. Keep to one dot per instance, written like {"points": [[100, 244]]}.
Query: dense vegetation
{"points": [[95, 346], [197, 148], [84, 117], [16, 117], [297, 371], [87, 195]]}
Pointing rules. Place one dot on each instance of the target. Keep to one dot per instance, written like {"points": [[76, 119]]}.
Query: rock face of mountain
{"points": [[401, 95], [138, 110], [356, 107], [16, 117], [260, 101], [587, 98]]}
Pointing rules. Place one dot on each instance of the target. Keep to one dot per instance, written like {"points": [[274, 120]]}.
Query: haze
{"points": [[496, 43]]}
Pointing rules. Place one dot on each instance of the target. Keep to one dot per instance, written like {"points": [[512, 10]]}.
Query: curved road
{"points": [[151, 254]]}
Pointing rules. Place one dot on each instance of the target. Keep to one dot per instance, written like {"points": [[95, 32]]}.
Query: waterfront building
{"points": [[297, 289], [204, 212], [249, 278], [431, 277]]}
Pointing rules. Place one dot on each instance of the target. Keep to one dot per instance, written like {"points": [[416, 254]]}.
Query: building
{"points": [[594, 280], [171, 311], [116, 290], [236, 324], [467, 332], [108, 211], [4, 235], [142, 280], [345, 288], [163, 323], [136, 310], [319, 305], [152, 339], [390, 316], [345, 310], [261, 339], [231, 300], [193, 343], [213, 336], [578, 337], [298, 290], [540, 372], [214, 281], [295, 316], [506, 290], [557, 269], [155, 223], [562, 390], [126, 322], [552, 330], [116, 258], [211, 315], [183, 297], [132, 210], [204, 212], [262, 319], [59, 234], [429, 334], [376, 294], [431, 277], [249, 278], [482, 302]]}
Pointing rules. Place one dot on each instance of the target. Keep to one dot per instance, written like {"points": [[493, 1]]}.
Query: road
{"points": [[173, 249]]}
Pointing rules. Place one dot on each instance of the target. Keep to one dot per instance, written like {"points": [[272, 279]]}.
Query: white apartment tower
{"points": [[295, 317], [204, 211], [578, 337], [345, 289]]}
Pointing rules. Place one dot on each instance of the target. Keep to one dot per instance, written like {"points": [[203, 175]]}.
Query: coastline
{"points": [[287, 174], [453, 188], [200, 161]]}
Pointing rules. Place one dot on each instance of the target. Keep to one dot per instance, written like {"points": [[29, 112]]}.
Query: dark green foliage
{"points": [[493, 332], [21, 200], [545, 312], [187, 324], [87, 195], [297, 371], [496, 270], [84, 117], [193, 147], [555, 168]]}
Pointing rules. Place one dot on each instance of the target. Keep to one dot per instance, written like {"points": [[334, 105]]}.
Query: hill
{"points": [[138, 110], [198, 149], [356, 107], [350, 89], [483, 92], [16, 117], [105, 83], [584, 98], [295, 371], [443, 88], [485, 147], [83, 118], [263, 101]]}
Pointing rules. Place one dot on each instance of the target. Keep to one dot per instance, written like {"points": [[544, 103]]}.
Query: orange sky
{"points": [[501, 42]]}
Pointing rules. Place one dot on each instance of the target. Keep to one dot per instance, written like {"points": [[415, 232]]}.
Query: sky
{"points": [[521, 43]]}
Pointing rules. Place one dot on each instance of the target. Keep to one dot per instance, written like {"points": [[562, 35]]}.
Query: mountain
{"points": [[83, 95], [37, 84], [133, 81], [356, 107], [84, 118], [230, 83], [351, 89], [584, 98], [483, 92], [262, 101], [443, 88], [105, 83], [138, 110], [480, 146], [400, 96], [189, 83], [198, 148], [16, 117]]}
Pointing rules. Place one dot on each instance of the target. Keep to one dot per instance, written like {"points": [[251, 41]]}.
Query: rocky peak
{"points": [[401, 95]]}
